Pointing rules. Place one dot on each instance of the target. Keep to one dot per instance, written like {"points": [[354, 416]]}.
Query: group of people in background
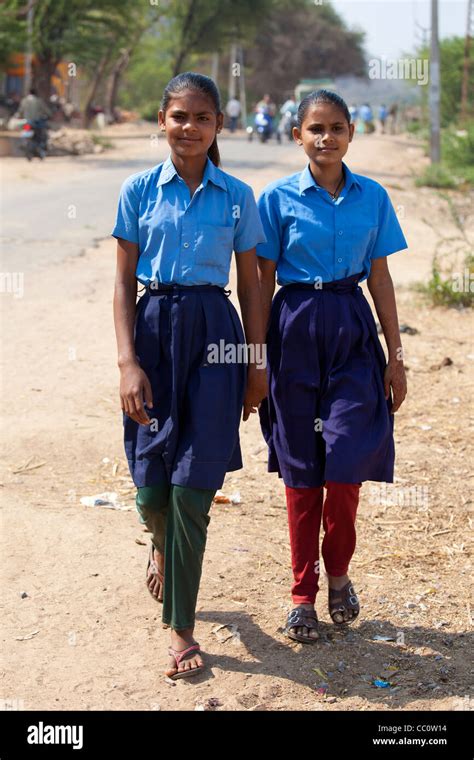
{"points": [[362, 116], [364, 120]]}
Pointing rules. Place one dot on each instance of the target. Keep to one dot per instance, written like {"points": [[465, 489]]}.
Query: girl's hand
{"points": [[395, 377], [257, 389], [134, 386]]}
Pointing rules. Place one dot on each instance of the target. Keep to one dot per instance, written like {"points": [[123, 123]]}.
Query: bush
{"points": [[438, 175], [458, 150], [456, 289]]}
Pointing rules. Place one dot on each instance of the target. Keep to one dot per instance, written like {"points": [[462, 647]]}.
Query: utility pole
{"points": [[242, 93], [434, 95], [232, 62], [27, 80], [465, 74], [215, 67]]}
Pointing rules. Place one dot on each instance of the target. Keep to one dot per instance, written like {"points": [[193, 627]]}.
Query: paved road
{"points": [[60, 207]]}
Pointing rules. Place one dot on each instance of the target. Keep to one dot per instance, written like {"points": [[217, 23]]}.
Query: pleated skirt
{"points": [[326, 416], [197, 405]]}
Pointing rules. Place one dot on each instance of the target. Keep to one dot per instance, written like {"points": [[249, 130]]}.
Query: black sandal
{"points": [[299, 617], [341, 600]]}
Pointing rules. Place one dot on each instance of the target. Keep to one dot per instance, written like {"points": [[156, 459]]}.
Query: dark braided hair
{"points": [[189, 80], [321, 96]]}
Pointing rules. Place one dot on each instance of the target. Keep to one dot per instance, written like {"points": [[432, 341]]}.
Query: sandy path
{"points": [[96, 638]]}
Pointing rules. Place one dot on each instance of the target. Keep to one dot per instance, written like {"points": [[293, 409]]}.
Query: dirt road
{"points": [[87, 635]]}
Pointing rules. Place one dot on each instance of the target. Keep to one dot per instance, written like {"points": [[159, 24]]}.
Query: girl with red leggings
{"points": [[328, 417]]}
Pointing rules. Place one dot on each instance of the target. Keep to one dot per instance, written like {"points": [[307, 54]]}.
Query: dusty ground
{"points": [[88, 635]]}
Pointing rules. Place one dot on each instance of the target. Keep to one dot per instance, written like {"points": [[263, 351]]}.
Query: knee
{"points": [[195, 503], [152, 498]]}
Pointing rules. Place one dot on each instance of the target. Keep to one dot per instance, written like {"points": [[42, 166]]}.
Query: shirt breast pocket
{"points": [[362, 238], [214, 246]]}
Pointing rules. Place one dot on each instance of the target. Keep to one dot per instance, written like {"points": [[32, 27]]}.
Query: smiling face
{"points": [[190, 123], [325, 133]]}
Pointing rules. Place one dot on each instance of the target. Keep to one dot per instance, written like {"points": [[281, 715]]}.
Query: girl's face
{"points": [[190, 123], [325, 134]]}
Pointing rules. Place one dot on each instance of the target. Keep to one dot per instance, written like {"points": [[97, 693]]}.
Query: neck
{"points": [[190, 169], [326, 175]]}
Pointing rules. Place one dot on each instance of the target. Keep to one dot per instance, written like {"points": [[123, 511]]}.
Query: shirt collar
{"points": [[211, 173], [307, 180]]}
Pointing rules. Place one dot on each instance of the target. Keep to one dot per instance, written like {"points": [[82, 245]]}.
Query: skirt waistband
{"points": [[158, 288], [346, 285]]}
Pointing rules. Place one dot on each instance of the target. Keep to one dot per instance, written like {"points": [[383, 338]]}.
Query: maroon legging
{"points": [[305, 508]]}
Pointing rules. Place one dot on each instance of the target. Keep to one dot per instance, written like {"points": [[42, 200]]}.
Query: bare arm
{"points": [[248, 291], [266, 276], [381, 289], [134, 384]]}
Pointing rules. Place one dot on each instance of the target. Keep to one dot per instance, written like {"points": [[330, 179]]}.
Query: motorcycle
{"points": [[263, 126], [34, 138]]}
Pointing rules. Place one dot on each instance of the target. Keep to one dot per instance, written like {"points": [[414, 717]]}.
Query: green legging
{"points": [[177, 518]]}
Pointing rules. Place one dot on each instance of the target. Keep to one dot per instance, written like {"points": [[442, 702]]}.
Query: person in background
{"points": [[383, 113], [289, 105], [367, 118], [288, 113], [267, 105], [392, 114], [233, 112], [33, 108], [354, 112]]}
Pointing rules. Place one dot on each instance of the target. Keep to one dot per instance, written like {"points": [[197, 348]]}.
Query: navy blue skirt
{"points": [[194, 438], [326, 416]]}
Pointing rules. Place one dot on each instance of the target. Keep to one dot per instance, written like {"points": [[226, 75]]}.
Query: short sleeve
{"points": [[126, 223], [271, 249], [390, 237], [248, 231]]}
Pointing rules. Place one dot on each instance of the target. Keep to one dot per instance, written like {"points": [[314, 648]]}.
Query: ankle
{"points": [[337, 581], [182, 638]]}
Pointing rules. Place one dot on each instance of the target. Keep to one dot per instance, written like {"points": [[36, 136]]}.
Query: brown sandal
{"points": [[154, 571], [299, 618], [341, 600]]}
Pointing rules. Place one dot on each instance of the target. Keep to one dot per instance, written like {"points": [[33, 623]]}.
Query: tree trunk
{"points": [[118, 70], [184, 46], [114, 82], [43, 73], [87, 115]]}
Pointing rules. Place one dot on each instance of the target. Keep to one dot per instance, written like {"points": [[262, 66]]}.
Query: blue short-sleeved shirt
{"points": [[312, 236], [184, 240]]}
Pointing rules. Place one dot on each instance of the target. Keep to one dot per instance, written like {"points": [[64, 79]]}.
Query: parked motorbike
{"points": [[34, 138]]}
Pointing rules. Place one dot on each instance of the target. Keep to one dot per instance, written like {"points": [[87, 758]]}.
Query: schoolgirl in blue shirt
{"points": [[328, 418], [177, 225]]}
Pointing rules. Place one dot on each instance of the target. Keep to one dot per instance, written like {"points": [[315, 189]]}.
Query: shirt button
{"points": [[340, 232], [186, 245], [339, 260]]}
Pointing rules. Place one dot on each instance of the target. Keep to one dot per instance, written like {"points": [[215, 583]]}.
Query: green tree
{"points": [[302, 40], [451, 72], [209, 25], [83, 31]]}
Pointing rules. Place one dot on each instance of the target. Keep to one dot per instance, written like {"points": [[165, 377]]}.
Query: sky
{"points": [[390, 25]]}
